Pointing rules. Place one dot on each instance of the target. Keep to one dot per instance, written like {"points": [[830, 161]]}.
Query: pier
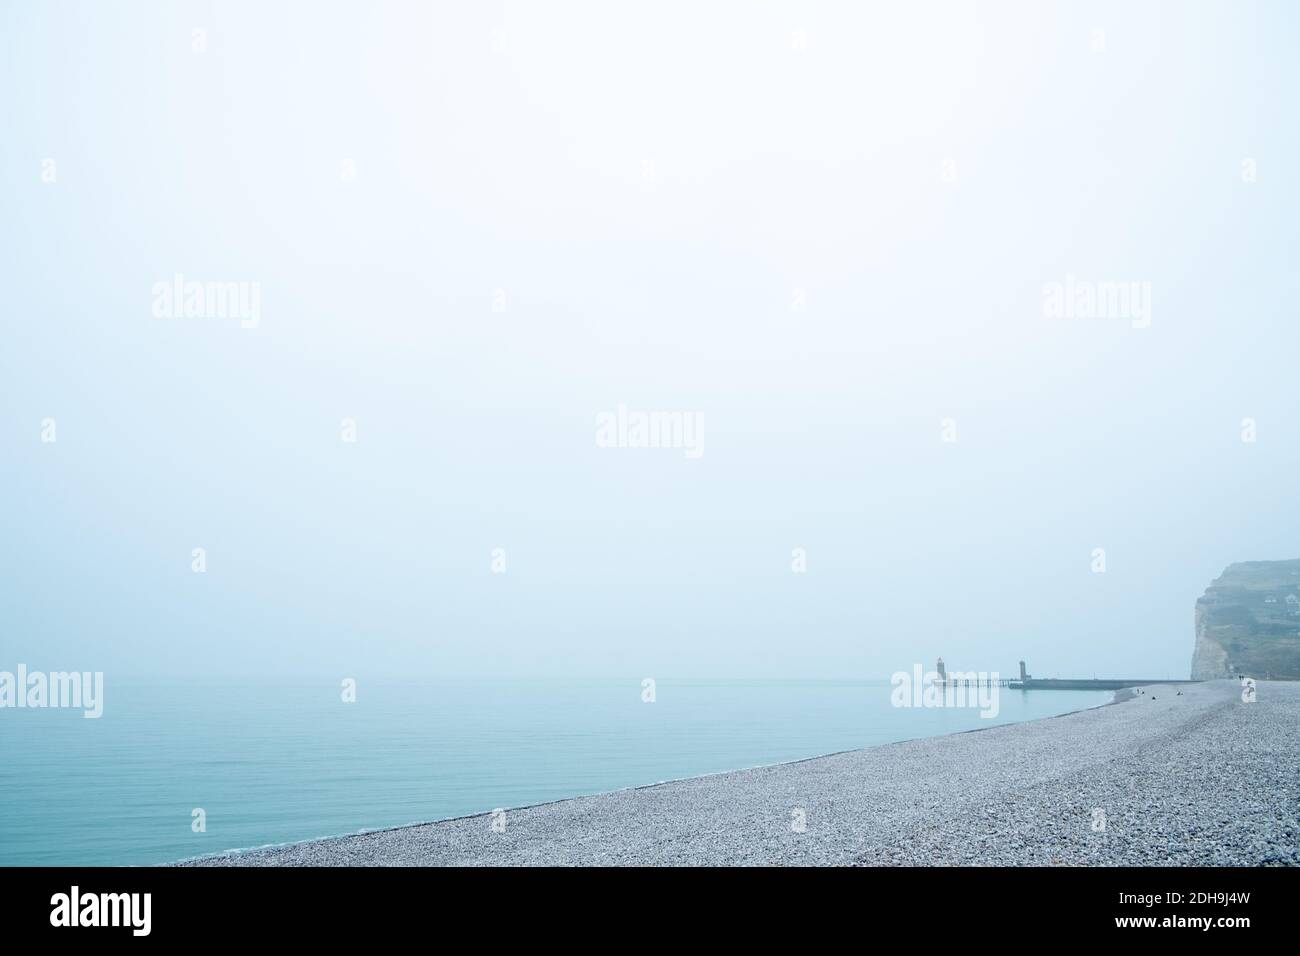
{"points": [[1096, 683], [972, 679], [1027, 682]]}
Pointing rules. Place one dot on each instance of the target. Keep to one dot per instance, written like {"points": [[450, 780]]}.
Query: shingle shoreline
{"points": [[1197, 779]]}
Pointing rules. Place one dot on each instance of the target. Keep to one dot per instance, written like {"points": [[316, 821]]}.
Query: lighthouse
{"points": [[941, 676]]}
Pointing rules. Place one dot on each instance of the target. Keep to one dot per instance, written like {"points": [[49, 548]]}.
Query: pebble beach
{"points": [[1158, 778]]}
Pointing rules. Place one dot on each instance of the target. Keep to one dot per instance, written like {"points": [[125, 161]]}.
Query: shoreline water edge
{"points": [[1190, 775]]}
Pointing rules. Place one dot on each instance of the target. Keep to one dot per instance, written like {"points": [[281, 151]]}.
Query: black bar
{"points": [[336, 905]]}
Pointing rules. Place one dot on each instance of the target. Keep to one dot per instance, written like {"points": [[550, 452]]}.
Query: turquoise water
{"points": [[272, 764]]}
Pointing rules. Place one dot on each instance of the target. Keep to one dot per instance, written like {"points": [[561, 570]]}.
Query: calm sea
{"points": [[273, 764]]}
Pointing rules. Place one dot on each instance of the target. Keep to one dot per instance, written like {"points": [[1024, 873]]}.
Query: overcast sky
{"points": [[819, 229]]}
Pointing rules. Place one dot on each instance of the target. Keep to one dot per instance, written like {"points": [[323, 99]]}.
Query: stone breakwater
{"points": [[1197, 779]]}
